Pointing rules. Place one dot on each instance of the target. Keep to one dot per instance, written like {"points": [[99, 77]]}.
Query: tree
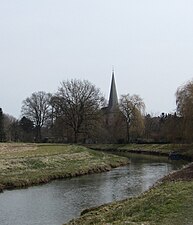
{"points": [[11, 128], [27, 127], [132, 108], [37, 108], [171, 128], [2, 132], [78, 103], [152, 128], [184, 102]]}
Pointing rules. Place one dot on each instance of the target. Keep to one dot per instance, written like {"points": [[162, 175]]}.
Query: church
{"points": [[113, 100], [113, 106], [113, 118]]}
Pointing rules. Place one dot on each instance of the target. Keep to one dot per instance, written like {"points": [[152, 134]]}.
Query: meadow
{"points": [[23, 165]]}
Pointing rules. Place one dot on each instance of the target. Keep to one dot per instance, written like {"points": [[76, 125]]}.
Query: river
{"points": [[58, 202]]}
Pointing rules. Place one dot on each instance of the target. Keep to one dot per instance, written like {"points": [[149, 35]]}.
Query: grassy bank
{"points": [[170, 202], [186, 150], [23, 165]]}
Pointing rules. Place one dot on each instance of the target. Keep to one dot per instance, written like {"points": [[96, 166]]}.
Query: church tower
{"points": [[113, 100], [112, 115]]}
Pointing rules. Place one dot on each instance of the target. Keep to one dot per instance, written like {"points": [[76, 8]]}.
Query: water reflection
{"points": [[60, 201]]}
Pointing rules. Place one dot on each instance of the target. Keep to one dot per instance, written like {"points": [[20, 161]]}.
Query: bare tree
{"points": [[184, 102], [11, 128], [132, 107], [79, 103], [37, 108]]}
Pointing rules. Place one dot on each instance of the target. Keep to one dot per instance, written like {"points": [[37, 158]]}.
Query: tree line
{"points": [[77, 112]]}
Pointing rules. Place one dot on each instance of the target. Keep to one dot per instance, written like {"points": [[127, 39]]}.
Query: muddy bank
{"points": [[185, 174]]}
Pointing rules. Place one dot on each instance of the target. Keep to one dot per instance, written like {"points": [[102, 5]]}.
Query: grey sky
{"points": [[149, 42]]}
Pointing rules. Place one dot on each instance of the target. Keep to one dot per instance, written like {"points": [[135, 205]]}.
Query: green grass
{"points": [[169, 203], [23, 165], [155, 147], [183, 149]]}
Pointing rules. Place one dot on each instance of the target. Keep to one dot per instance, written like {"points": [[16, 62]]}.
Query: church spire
{"points": [[113, 100]]}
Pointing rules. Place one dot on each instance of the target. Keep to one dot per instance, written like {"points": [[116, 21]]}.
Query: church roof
{"points": [[113, 100]]}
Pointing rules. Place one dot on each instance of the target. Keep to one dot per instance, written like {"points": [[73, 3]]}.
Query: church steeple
{"points": [[113, 100]]}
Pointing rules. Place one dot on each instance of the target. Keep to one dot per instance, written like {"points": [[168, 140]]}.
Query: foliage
{"points": [[2, 132], [11, 128], [37, 109], [165, 128], [132, 108], [26, 127], [184, 101], [78, 103], [76, 113]]}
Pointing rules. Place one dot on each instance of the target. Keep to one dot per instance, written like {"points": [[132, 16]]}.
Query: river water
{"points": [[59, 201]]}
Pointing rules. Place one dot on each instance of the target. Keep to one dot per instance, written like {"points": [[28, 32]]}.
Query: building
{"points": [[113, 105], [112, 116], [113, 100]]}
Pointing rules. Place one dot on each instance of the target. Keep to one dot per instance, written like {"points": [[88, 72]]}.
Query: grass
{"points": [[23, 165], [168, 203], [185, 150]]}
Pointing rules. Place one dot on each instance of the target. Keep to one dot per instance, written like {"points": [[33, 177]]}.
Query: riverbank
{"points": [[24, 165], [185, 151], [170, 201]]}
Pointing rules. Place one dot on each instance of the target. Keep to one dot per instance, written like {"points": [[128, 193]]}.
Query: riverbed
{"points": [[62, 200]]}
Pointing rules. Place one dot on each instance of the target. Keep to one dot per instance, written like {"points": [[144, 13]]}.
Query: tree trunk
{"points": [[128, 133], [38, 134], [75, 136]]}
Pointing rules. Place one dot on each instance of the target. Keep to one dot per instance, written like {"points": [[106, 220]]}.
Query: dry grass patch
{"points": [[6, 148], [23, 165]]}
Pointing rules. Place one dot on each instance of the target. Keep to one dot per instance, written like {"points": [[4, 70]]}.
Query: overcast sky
{"points": [[43, 42]]}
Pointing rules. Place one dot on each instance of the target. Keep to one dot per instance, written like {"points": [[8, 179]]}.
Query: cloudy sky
{"points": [[43, 42]]}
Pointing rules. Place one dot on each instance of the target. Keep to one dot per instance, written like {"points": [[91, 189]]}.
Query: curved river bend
{"points": [[60, 201]]}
